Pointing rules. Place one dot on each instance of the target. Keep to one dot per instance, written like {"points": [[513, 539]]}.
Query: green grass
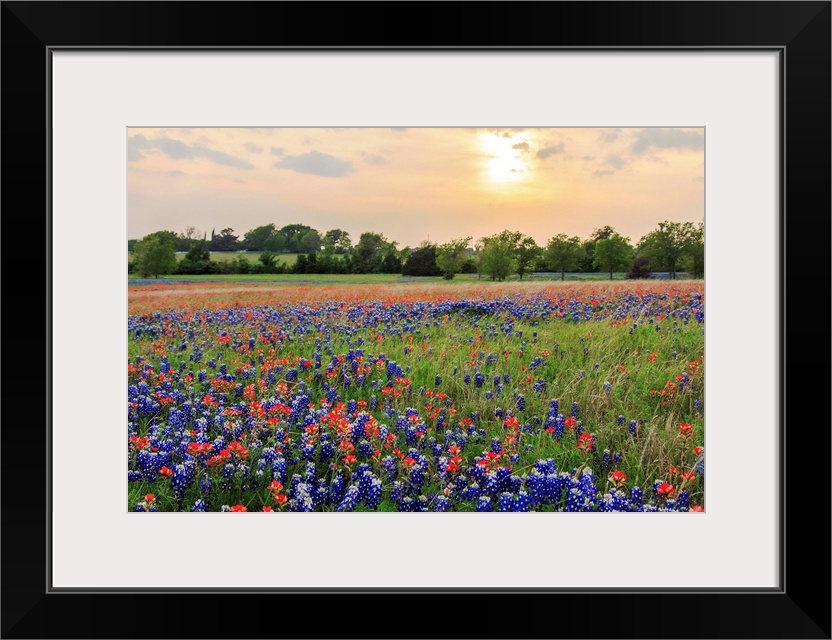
{"points": [[362, 278]]}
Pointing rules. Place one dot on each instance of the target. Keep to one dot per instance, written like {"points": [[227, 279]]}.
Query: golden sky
{"points": [[416, 184]]}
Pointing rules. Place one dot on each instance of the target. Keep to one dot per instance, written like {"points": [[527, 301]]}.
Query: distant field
{"points": [[359, 278], [366, 278]]}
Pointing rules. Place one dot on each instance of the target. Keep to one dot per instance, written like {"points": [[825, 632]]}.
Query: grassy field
{"points": [[386, 396], [359, 278]]}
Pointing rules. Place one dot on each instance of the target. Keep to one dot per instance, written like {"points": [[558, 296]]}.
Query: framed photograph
{"points": [[109, 110]]}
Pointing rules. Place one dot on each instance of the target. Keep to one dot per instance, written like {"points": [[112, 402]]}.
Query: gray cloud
{"points": [[588, 158], [253, 148], [609, 135], [666, 139], [178, 150], [550, 151], [615, 161], [316, 163], [603, 172], [521, 146], [374, 159], [174, 173], [277, 151], [175, 149], [135, 145]]}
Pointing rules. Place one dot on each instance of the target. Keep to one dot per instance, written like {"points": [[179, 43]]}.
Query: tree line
{"points": [[671, 247]]}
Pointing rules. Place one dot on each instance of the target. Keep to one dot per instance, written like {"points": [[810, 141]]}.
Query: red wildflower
{"points": [[164, 471], [698, 509], [687, 475], [665, 489], [570, 423], [685, 430], [585, 443], [148, 498], [618, 477], [268, 509], [238, 508]]}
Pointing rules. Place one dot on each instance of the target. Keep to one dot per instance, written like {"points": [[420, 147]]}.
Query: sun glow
{"points": [[504, 163]]}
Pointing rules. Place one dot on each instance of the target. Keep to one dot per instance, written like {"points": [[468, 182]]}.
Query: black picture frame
{"points": [[799, 31]]}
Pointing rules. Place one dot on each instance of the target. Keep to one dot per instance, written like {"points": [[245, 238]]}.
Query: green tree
{"points": [[268, 262], [370, 252], [564, 253], [526, 253], [225, 240], [422, 262], [497, 255], [155, 254], [694, 259], [452, 255], [255, 240], [275, 243], [588, 261], [293, 235], [198, 260], [310, 241], [613, 253], [668, 244], [337, 240]]}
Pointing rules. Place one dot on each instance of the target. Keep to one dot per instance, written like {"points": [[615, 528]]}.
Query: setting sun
{"points": [[504, 163]]}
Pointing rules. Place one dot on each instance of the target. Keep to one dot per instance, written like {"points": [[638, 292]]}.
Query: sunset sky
{"points": [[415, 184]]}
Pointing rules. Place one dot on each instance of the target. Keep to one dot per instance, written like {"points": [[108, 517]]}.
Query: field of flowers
{"points": [[475, 397]]}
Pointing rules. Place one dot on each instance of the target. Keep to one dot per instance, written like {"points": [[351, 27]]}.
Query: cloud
{"points": [[603, 172], [550, 151], [609, 135], [588, 158], [699, 179], [175, 149], [666, 139], [521, 146], [316, 163], [277, 151], [615, 161], [135, 145], [253, 148], [178, 150], [398, 128], [374, 159], [174, 173]]}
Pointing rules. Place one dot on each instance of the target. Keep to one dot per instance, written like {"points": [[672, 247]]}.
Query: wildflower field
{"points": [[537, 396]]}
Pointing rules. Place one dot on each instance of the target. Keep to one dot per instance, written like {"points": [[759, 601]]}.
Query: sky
{"points": [[415, 184]]}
